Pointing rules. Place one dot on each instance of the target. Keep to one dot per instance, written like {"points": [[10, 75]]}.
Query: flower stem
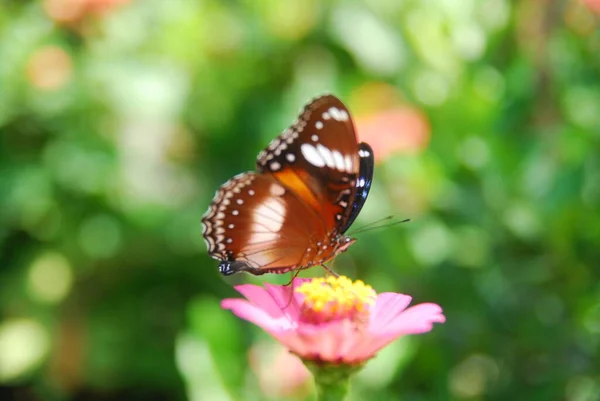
{"points": [[332, 381]]}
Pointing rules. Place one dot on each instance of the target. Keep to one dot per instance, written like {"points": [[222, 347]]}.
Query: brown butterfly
{"points": [[309, 186]]}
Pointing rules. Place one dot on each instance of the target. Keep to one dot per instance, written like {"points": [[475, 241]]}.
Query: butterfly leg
{"points": [[329, 271], [296, 272]]}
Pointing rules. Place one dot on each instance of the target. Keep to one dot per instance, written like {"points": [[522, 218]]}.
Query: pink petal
{"points": [[286, 299], [416, 319], [364, 349], [256, 315], [387, 307], [328, 342], [260, 297]]}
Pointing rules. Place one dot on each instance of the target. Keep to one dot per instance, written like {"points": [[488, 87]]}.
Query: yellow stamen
{"points": [[336, 298]]}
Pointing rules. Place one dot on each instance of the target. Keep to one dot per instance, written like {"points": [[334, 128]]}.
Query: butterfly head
{"points": [[229, 267], [344, 243]]}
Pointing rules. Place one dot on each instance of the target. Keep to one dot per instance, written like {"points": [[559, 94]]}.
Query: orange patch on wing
{"points": [[298, 186]]}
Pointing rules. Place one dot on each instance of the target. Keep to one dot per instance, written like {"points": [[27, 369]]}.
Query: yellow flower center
{"points": [[336, 298]]}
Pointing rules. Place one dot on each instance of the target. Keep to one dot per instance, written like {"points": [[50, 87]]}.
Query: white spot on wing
{"points": [[276, 190], [339, 160], [349, 164], [318, 125], [326, 155], [312, 155], [326, 116], [290, 157], [364, 153], [337, 114], [274, 144], [270, 215], [315, 137], [275, 166]]}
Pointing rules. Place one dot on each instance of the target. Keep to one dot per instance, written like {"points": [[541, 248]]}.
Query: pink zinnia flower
{"points": [[332, 320]]}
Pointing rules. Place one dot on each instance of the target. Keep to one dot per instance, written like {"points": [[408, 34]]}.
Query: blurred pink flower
{"points": [[395, 130], [292, 379], [332, 320], [73, 11], [593, 5]]}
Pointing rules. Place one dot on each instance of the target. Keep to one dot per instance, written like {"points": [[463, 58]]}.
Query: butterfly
{"points": [[291, 213]]}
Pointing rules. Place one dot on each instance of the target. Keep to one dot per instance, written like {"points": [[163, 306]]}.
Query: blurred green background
{"points": [[120, 118]]}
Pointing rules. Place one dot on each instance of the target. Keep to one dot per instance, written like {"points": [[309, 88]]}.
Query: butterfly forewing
{"points": [[318, 158], [256, 221]]}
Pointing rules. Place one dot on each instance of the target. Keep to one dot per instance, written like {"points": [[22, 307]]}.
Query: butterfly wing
{"points": [[255, 224], [318, 159], [310, 185], [363, 183]]}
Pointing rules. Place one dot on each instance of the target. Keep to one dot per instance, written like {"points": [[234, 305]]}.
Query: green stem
{"points": [[332, 381]]}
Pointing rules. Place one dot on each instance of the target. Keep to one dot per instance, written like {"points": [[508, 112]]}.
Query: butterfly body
{"points": [[292, 213]]}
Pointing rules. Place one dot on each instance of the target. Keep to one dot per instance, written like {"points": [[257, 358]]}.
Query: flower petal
{"points": [[286, 299], [414, 320], [262, 298], [327, 342], [256, 315], [387, 307]]}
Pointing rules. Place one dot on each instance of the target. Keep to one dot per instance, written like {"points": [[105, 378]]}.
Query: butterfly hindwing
{"points": [[260, 225]]}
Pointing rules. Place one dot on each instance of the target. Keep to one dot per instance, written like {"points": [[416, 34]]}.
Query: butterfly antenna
{"points": [[387, 218], [377, 224]]}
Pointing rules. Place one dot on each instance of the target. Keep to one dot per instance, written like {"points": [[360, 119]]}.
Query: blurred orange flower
{"points": [[49, 68], [387, 122], [73, 11]]}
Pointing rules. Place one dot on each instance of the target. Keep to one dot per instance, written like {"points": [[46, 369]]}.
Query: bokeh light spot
{"points": [[494, 14], [291, 19], [49, 68], [581, 105], [582, 388], [471, 377], [591, 319], [431, 88], [195, 363], [23, 345], [431, 244], [373, 44], [474, 152], [522, 220], [469, 41], [50, 277]]}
